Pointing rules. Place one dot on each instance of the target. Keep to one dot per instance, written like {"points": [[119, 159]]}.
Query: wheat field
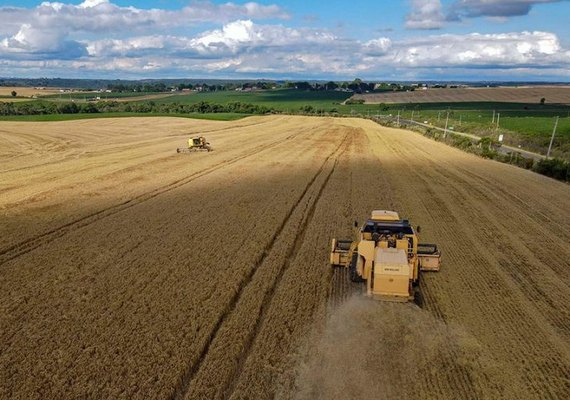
{"points": [[128, 271]]}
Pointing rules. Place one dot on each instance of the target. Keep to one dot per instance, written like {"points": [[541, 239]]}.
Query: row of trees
{"points": [[45, 108], [138, 87], [357, 85]]}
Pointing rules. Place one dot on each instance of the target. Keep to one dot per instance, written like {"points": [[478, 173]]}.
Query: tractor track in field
{"points": [[23, 247], [184, 385], [120, 282], [290, 258], [525, 272], [457, 374], [341, 287], [498, 190], [509, 275]]}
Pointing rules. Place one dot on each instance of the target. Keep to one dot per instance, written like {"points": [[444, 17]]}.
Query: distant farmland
{"points": [[552, 94], [26, 91]]}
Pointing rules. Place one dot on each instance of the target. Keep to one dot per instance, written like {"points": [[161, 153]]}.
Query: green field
{"points": [[288, 100], [527, 125], [69, 117], [539, 123]]}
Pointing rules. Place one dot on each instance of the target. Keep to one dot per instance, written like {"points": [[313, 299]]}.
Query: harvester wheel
{"points": [[354, 277], [417, 281], [418, 299]]}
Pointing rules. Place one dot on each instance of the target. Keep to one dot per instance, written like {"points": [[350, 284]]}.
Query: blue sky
{"points": [[295, 39]]}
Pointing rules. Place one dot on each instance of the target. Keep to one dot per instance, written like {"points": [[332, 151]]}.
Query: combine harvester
{"points": [[196, 144], [387, 255]]}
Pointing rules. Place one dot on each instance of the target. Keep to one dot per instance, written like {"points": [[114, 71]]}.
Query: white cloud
{"points": [[92, 3], [102, 16], [43, 31], [32, 43], [233, 38], [377, 47], [245, 47], [504, 51], [425, 14]]}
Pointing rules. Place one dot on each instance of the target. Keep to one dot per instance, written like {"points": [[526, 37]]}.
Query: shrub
{"points": [[354, 101], [554, 167]]}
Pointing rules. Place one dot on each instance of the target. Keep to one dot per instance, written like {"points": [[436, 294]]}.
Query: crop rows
{"points": [[206, 276], [513, 95]]}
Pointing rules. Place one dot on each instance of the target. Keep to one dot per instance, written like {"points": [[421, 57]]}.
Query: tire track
{"points": [[539, 218], [19, 249], [341, 287], [479, 278], [455, 374], [268, 299], [184, 385], [526, 272]]}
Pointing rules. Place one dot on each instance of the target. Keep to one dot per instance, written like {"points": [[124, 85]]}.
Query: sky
{"points": [[464, 40]]}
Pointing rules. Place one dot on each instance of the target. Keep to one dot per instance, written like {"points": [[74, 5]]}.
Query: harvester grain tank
{"points": [[386, 255], [196, 144]]}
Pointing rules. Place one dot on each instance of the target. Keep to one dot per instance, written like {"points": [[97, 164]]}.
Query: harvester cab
{"points": [[386, 255], [195, 144]]}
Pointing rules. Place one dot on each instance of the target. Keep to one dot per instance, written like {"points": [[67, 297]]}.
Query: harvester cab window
{"points": [[196, 142], [388, 228]]}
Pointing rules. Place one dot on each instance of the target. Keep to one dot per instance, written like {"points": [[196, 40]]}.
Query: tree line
{"points": [[45, 108], [357, 86]]}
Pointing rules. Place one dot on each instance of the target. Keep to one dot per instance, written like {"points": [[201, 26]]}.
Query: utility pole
{"points": [[493, 117], [412, 116], [552, 138], [446, 122], [498, 119], [398, 117], [438, 115]]}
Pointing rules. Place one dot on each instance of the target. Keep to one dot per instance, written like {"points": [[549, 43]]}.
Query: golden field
{"points": [[130, 271]]}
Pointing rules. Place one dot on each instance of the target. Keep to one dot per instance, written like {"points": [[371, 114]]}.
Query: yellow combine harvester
{"points": [[195, 144], [387, 255]]}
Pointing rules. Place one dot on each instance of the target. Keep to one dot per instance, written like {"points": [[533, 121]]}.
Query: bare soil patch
{"points": [[552, 94]]}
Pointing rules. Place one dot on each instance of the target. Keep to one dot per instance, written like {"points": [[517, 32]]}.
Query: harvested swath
{"points": [[552, 94], [26, 91], [103, 281]]}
